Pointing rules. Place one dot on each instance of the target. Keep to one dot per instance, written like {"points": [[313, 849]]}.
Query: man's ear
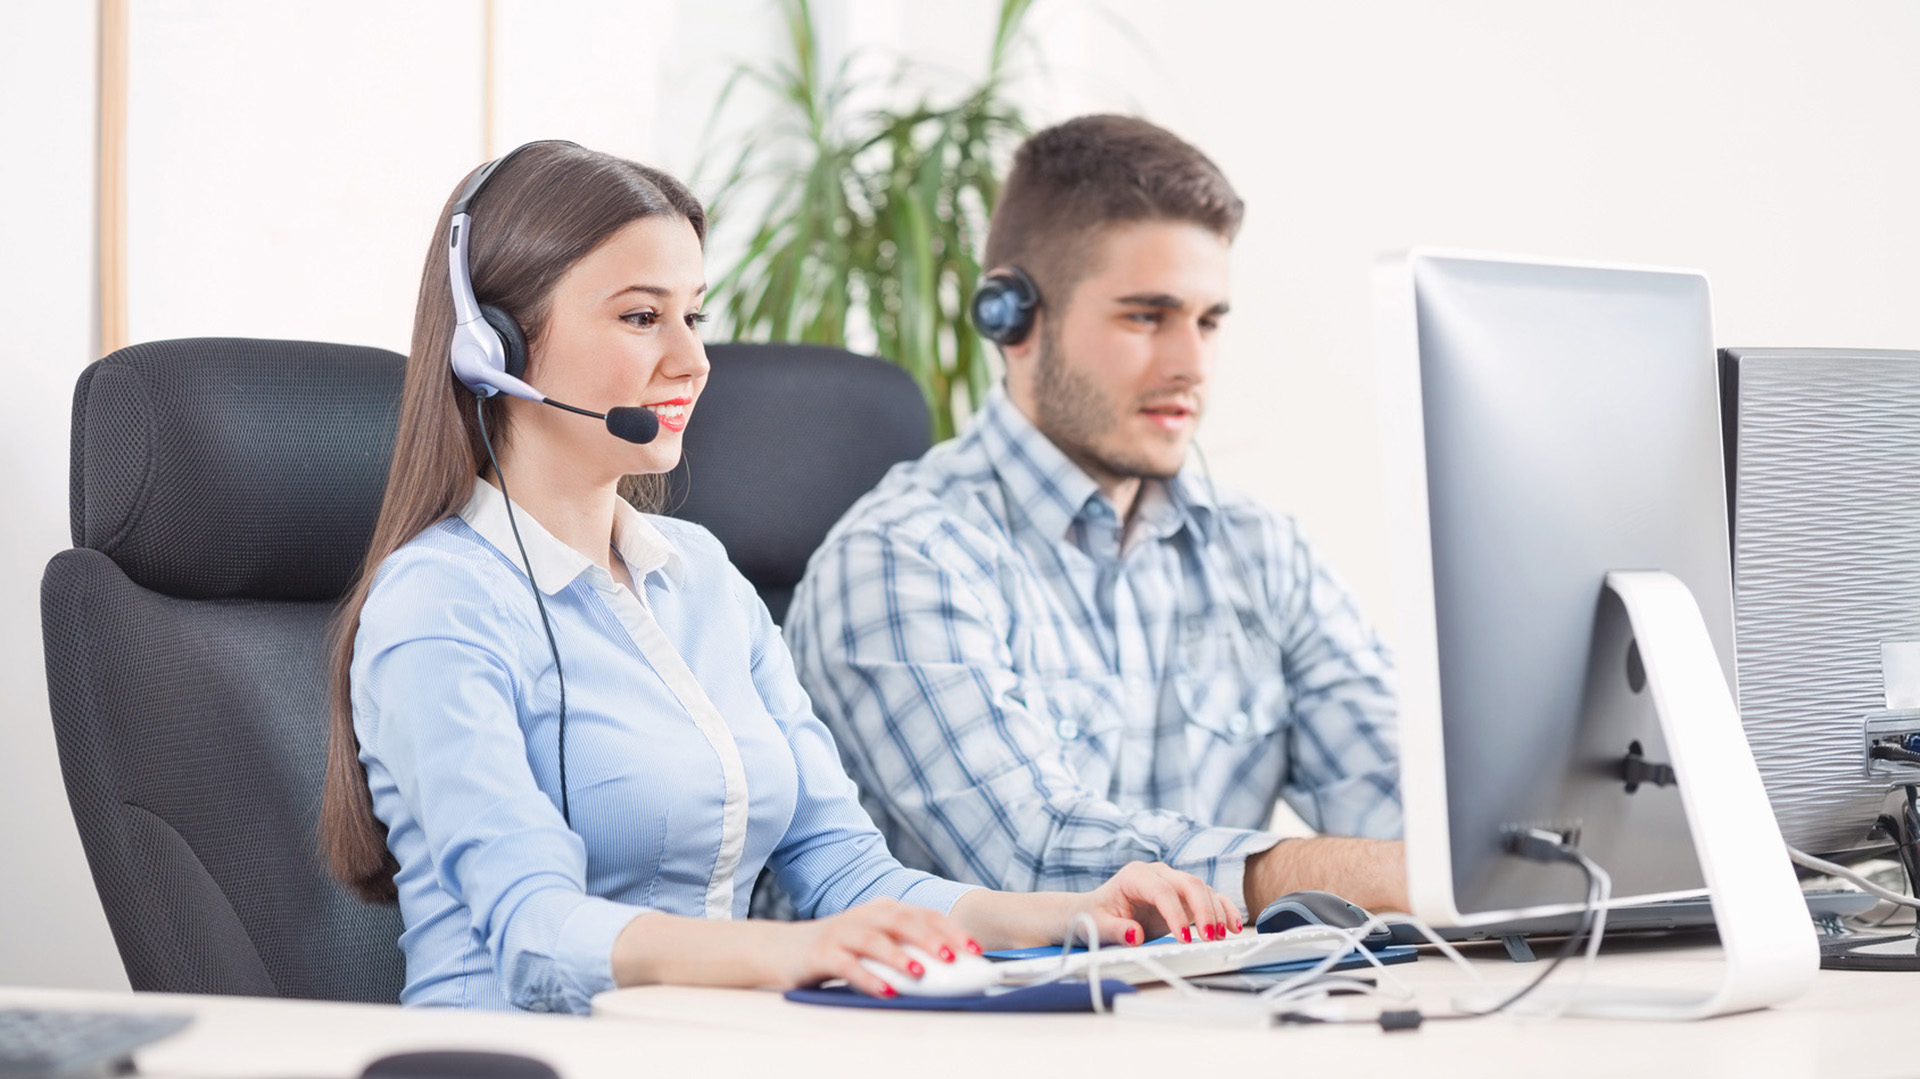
{"points": [[1022, 359], [1027, 351]]}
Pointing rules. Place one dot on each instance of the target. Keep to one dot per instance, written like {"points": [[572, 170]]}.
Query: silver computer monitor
{"points": [[1546, 423], [1823, 457], [1823, 452]]}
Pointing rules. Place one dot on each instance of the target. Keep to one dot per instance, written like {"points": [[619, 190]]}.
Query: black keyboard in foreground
{"points": [[76, 1045]]}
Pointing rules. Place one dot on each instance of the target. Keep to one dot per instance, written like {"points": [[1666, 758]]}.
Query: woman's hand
{"points": [[811, 952], [1146, 900]]}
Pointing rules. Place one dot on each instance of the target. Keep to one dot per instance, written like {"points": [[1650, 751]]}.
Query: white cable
{"points": [[1438, 941], [1179, 983], [1298, 994], [1290, 996], [1599, 891], [1604, 887], [1093, 959], [1364, 986], [1819, 865], [1308, 980], [1148, 963], [1321, 992], [1351, 939], [1145, 961]]}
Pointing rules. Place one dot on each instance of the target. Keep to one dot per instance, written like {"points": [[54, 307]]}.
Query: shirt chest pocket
{"points": [[1229, 689]]}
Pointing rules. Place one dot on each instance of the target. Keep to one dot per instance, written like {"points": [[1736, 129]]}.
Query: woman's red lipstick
{"points": [[673, 414]]}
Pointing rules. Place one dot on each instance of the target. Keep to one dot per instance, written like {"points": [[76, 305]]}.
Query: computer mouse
{"points": [[967, 975], [1296, 909], [458, 1064]]}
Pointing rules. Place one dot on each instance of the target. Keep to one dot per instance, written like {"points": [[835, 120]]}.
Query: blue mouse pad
{"points": [[1068, 996]]}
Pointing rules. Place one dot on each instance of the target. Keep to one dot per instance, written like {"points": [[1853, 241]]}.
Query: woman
{"points": [[572, 784]]}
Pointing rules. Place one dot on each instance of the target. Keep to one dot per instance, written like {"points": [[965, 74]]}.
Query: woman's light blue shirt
{"points": [[693, 756]]}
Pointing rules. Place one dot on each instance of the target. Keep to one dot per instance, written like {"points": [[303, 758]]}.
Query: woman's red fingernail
{"points": [[1133, 936], [946, 954], [1221, 929], [1186, 934], [888, 991], [914, 968], [974, 947]]}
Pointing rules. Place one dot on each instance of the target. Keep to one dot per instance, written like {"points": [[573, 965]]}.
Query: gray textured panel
{"points": [[1826, 534]]}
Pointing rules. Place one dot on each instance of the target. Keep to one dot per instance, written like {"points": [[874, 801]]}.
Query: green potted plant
{"points": [[871, 220]]}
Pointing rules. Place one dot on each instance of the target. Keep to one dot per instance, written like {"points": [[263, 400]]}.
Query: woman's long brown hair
{"points": [[539, 214]]}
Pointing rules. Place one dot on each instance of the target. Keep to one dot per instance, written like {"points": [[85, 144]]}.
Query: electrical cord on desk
{"points": [[1293, 1000], [1831, 869], [1892, 875], [1316, 982], [1351, 940], [1540, 846], [1535, 846]]}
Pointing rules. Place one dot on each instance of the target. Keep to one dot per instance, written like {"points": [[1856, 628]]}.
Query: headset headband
{"points": [[478, 354], [485, 172]]}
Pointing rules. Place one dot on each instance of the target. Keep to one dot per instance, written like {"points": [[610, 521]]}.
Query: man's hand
{"points": [[1369, 872]]}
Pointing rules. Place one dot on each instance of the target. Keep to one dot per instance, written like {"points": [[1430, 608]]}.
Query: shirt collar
{"points": [[1053, 492], [555, 565]]}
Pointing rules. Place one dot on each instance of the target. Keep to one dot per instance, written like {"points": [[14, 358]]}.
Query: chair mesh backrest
{"points": [[785, 438], [223, 495]]}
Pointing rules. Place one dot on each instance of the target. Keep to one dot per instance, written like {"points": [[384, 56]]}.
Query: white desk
{"points": [[1851, 1024]]}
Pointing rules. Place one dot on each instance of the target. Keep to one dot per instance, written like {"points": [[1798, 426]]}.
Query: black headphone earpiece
{"points": [[512, 341], [1004, 304]]}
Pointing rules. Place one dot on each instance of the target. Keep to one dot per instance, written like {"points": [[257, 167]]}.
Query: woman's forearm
{"points": [[1015, 919], [667, 949]]}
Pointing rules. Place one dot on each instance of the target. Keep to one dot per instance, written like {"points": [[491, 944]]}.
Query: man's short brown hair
{"points": [[1074, 180]]}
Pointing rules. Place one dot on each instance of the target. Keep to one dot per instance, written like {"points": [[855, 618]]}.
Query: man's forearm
{"points": [[1369, 872]]}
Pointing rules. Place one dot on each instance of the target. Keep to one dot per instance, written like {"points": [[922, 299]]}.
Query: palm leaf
{"points": [[868, 222]]}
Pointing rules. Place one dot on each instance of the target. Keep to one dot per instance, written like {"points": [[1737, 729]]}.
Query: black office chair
{"points": [[223, 494], [784, 439]]}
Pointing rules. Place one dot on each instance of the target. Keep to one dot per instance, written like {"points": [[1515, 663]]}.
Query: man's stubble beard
{"points": [[1075, 413]]}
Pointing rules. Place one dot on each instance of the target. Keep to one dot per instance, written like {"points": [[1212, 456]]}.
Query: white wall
{"points": [[51, 928], [286, 162], [1771, 144]]}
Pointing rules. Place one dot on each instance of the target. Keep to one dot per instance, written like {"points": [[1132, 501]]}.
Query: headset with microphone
{"points": [[489, 350], [1004, 304]]}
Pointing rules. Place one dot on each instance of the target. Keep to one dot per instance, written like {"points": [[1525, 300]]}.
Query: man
{"points": [[1051, 646]]}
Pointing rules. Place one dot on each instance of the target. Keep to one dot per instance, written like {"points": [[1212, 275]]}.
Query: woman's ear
{"points": [[511, 337]]}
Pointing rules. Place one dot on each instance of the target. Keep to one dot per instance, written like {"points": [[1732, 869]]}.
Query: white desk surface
{"points": [[1851, 1024]]}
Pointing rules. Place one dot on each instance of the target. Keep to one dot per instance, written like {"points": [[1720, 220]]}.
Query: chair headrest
{"points": [[767, 474], [224, 467]]}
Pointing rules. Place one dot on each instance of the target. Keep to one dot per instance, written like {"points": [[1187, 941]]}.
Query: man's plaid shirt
{"points": [[1031, 699]]}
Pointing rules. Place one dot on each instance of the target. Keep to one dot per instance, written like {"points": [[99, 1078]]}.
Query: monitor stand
{"points": [[1850, 950], [1769, 944]]}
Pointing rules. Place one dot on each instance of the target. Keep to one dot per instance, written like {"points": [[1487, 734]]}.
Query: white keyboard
{"points": [[1247, 949]]}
